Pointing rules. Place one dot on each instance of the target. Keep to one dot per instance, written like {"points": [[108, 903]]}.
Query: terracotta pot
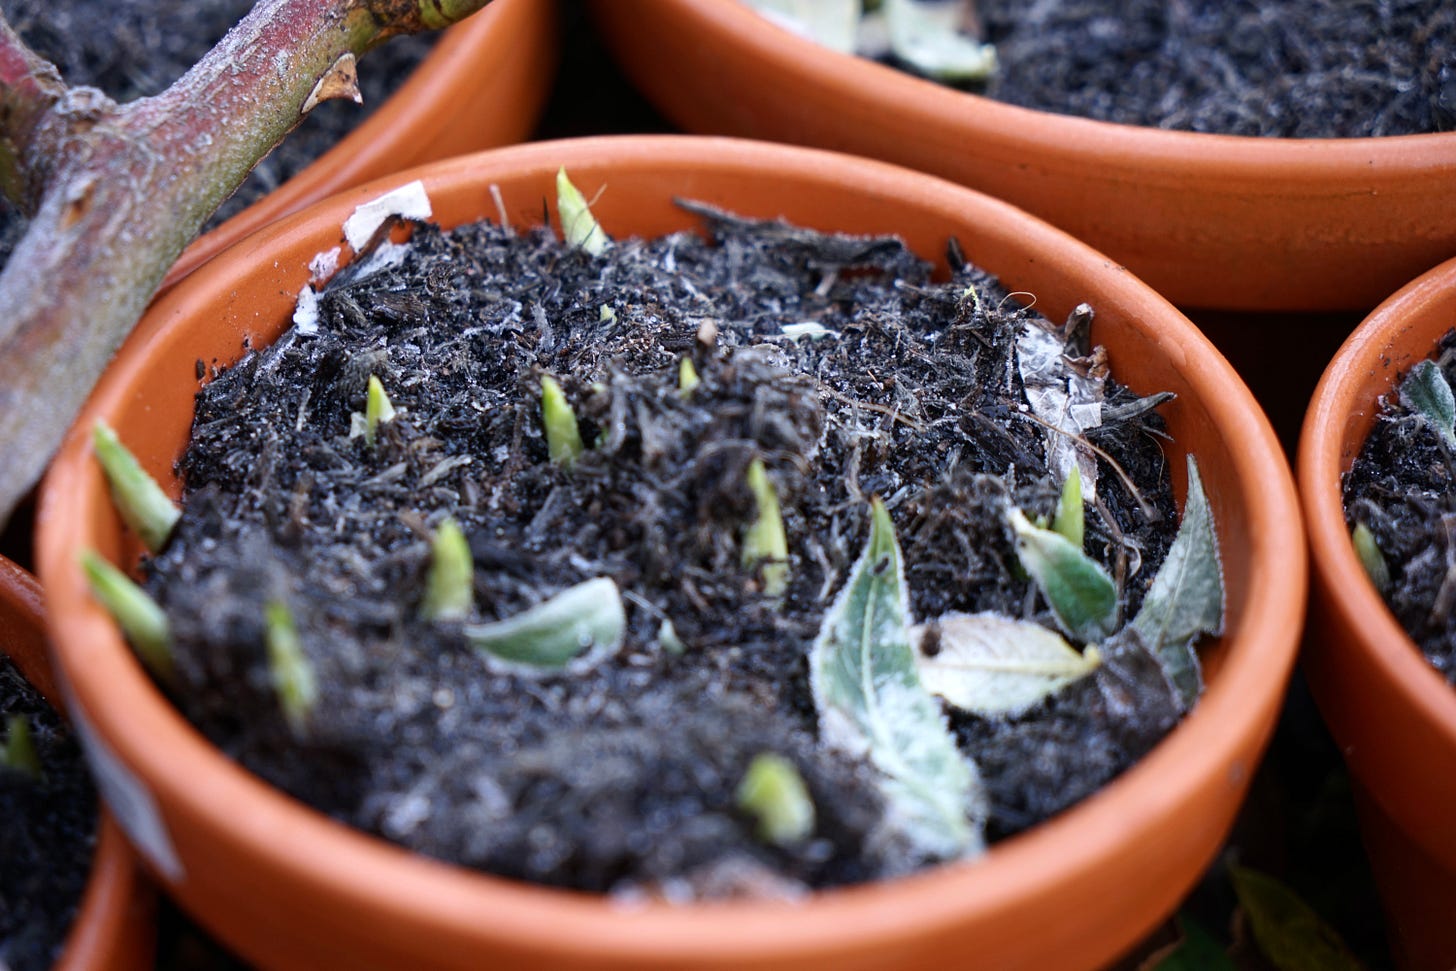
{"points": [[115, 928], [1392, 714], [289, 888], [1207, 220], [483, 85]]}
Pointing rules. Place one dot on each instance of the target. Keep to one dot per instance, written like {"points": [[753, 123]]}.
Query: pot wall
{"points": [[1207, 220], [115, 927], [1392, 715], [288, 888]]}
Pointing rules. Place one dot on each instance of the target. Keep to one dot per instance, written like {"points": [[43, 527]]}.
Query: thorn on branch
{"points": [[341, 81]]}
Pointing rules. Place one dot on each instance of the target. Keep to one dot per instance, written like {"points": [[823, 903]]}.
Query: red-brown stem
{"points": [[121, 190]]}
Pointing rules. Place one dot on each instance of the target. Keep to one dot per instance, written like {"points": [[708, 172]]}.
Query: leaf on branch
{"points": [[579, 227], [585, 618], [991, 664], [1186, 597], [1082, 596], [1426, 392], [871, 702]]}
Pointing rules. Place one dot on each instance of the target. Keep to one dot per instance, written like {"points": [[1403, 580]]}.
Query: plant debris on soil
{"points": [[1402, 489], [49, 832], [837, 362], [1284, 68], [138, 48]]}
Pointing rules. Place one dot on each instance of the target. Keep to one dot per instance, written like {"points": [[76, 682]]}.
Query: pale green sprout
{"points": [[668, 637], [1069, 519], [563, 437], [140, 618], [19, 751], [773, 792], [288, 667], [606, 314], [687, 378], [1370, 556], [579, 227], [143, 505], [766, 542], [378, 409], [449, 588]]}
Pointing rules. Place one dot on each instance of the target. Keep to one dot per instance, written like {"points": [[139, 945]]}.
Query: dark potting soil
{"points": [[139, 47], [621, 776], [1288, 68], [48, 835], [1403, 489]]}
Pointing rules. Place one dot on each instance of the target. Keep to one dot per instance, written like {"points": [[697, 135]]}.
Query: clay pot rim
{"points": [[103, 930], [380, 875], [433, 82], [1359, 608], [1050, 134]]}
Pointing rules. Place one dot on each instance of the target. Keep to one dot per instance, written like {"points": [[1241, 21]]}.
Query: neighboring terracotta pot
{"points": [[289, 888], [1391, 713], [115, 927], [1213, 221], [483, 85]]}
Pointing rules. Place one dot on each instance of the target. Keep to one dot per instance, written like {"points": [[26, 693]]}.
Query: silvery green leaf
{"points": [[1070, 404], [549, 635], [991, 664], [1082, 596], [1426, 392], [927, 37], [579, 227], [832, 23], [871, 702], [1186, 597]]}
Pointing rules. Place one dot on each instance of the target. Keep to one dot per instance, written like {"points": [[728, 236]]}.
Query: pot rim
{"points": [[1336, 407], [436, 895], [109, 929], [1051, 134]]}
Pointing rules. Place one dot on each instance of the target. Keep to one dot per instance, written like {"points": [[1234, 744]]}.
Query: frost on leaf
{"points": [[1082, 596], [991, 664], [1426, 392], [1066, 401], [871, 702], [1186, 598], [585, 619]]}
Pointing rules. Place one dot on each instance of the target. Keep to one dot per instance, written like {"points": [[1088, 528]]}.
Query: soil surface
{"points": [[137, 48], [1288, 68], [48, 836], [621, 775], [1402, 488]]}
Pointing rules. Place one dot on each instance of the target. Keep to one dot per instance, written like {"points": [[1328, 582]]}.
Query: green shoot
{"points": [[563, 438], [687, 378], [1370, 556], [140, 618], [1069, 516], [19, 751], [144, 507], [773, 791], [289, 668], [378, 409], [1082, 596], [668, 637], [766, 541], [605, 314], [450, 584], [587, 619], [578, 226]]}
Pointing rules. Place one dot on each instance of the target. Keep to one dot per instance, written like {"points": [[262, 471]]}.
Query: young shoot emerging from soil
{"points": [[685, 568], [1400, 503]]}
